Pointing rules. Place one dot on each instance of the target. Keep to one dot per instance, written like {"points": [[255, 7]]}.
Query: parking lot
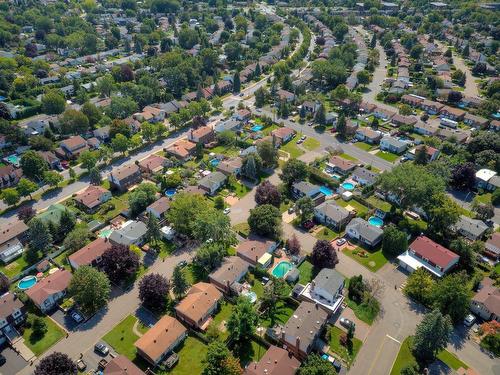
{"points": [[15, 363]]}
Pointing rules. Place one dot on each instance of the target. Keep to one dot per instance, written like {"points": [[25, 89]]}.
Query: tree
{"points": [[236, 82], [320, 116], [305, 206], [267, 193], [93, 113], [220, 361], [410, 369], [74, 122], [184, 210], [90, 288], [95, 176], [153, 292], [363, 77], [394, 242], [293, 171], [39, 327], [268, 154], [213, 225], [56, 364], [88, 159], [341, 126], [468, 253], [451, 296], [265, 220], [10, 196], [33, 165], [66, 222], [120, 143], [293, 245], [324, 255], [119, 263], [273, 294], [483, 211], [431, 336], [260, 98], [242, 321], [463, 176], [153, 233], [105, 85], [251, 166], [52, 178], [419, 286], [442, 214], [315, 365], [356, 288], [26, 187], [179, 282], [226, 138], [76, 239], [53, 102], [209, 256], [4, 284], [39, 235], [24, 213], [421, 155], [121, 107], [141, 197]]}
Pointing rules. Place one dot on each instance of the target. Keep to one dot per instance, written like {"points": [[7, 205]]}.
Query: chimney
{"points": [[297, 342], [283, 335], [313, 285]]}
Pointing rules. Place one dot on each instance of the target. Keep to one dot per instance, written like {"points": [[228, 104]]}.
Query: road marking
{"points": [[376, 357], [392, 338]]}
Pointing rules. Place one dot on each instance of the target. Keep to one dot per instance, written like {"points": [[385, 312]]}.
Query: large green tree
{"points": [[53, 102], [90, 288], [268, 153], [431, 336], [293, 171], [215, 225], [452, 296], [265, 220], [184, 210], [39, 235], [315, 365], [33, 165], [395, 241], [243, 320]]}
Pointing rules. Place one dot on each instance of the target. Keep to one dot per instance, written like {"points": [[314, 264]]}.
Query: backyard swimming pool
{"points": [[105, 233], [348, 186], [13, 159], [214, 162], [27, 282], [326, 190], [250, 295], [282, 269], [256, 128], [170, 192], [376, 221]]}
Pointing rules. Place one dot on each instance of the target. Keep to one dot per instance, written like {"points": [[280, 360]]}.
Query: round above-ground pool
{"points": [[282, 269], [170, 192], [348, 186], [214, 162], [27, 282], [375, 221], [326, 190], [251, 296]]}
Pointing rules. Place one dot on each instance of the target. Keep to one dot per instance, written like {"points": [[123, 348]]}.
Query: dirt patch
{"points": [[231, 200]]}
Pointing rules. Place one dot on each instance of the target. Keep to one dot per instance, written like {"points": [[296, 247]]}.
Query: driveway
{"points": [[92, 358], [15, 363], [64, 320]]}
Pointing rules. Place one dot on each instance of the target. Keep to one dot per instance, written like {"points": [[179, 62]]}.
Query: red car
{"points": [[308, 224], [65, 164]]}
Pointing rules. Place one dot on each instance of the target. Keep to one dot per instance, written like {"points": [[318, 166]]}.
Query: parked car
{"points": [[101, 348], [291, 210], [81, 365], [308, 224], [346, 322], [299, 142], [77, 317], [182, 263], [2, 360], [469, 320], [303, 138], [341, 241], [242, 94], [65, 164], [226, 211]]}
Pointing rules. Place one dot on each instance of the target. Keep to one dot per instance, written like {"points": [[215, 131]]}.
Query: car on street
{"points": [[242, 94], [76, 317], [469, 320], [303, 138], [346, 322], [101, 348], [2, 360], [341, 241], [292, 120], [182, 263], [259, 110], [226, 211]]}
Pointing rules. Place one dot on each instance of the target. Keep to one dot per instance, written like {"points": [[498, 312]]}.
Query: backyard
{"points": [[284, 311], [342, 351], [221, 318], [361, 209], [13, 268], [306, 272], [379, 203], [371, 259], [39, 344], [191, 353]]}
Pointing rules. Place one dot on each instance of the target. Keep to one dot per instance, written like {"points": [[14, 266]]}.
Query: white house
{"points": [[47, 292], [326, 290]]}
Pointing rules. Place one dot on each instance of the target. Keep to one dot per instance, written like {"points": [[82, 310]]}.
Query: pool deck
{"points": [[277, 261]]}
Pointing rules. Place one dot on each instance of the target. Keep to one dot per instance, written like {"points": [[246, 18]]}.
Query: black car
{"points": [[2, 360]]}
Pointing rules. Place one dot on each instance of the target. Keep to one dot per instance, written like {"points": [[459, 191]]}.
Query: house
{"points": [[12, 235], [231, 166], [159, 208], [492, 247], [485, 179], [182, 149], [383, 114], [455, 114], [90, 255], [393, 145], [92, 197], [243, 115], [124, 177], [198, 306], [121, 365], [431, 107], [102, 133], [362, 231], [423, 252], [9, 176], [282, 135], [12, 314], [306, 189], [338, 164], [11, 250], [459, 135], [495, 125], [430, 152], [276, 361], [303, 329], [310, 106], [203, 135], [152, 164], [286, 96], [364, 176], [212, 182], [471, 229], [93, 143], [424, 128], [475, 121], [412, 100], [131, 233], [72, 147], [256, 251], [326, 290], [367, 108], [332, 215], [227, 277], [48, 291], [368, 135], [399, 120], [150, 114], [230, 124], [51, 159], [486, 302], [160, 340]]}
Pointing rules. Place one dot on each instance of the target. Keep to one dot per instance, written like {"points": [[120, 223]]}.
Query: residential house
{"points": [[393, 145], [364, 176], [338, 164], [160, 340], [182, 149], [486, 179], [230, 124], [476, 121], [413, 100], [306, 189], [243, 115], [198, 306], [431, 107], [383, 114], [326, 290], [286, 96], [332, 215], [362, 231], [424, 128], [159, 208], [256, 251], [231, 166], [310, 106], [471, 229], [351, 127], [92, 197], [152, 164], [430, 152], [124, 177], [367, 108], [303, 329], [90, 255], [12, 235], [282, 135], [9, 176], [455, 114], [72, 147], [203, 135], [423, 252], [227, 277], [121, 365], [102, 133], [492, 247], [51, 159], [93, 143], [10, 250], [495, 125], [368, 135], [212, 182], [276, 361], [400, 120], [486, 302], [48, 291], [131, 233], [12, 314], [150, 114]]}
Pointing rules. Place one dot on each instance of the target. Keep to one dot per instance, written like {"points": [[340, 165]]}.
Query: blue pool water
{"points": [[326, 190], [214, 162], [256, 128], [282, 269], [105, 233], [13, 159], [348, 186], [27, 282], [170, 192], [375, 221]]}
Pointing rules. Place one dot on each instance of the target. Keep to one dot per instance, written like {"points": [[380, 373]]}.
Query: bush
{"points": [[492, 343]]}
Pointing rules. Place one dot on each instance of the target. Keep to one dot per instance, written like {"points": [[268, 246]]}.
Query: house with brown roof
{"points": [[412, 100], [51, 159], [12, 314], [286, 95], [231, 166], [337, 164], [368, 135], [121, 365], [203, 135], [159, 208], [256, 251], [92, 197], [160, 340], [12, 236], [47, 292], [151, 114], [72, 147], [124, 177], [398, 120], [424, 128], [282, 135], [227, 277], [198, 306], [455, 114], [182, 149], [492, 247], [476, 121], [90, 255], [431, 107], [152, 164], [495, 125], [243, 115], [276, 361], [9, 176], [486, 302]]}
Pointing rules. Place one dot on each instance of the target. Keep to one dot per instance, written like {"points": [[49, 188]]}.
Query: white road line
{"points": [[392, 338]]}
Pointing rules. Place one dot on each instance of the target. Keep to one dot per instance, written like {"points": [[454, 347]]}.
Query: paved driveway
{"points": [[14, 364]]}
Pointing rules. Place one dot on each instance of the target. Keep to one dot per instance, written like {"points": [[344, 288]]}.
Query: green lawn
{"points": [[360, 208], [228, 151], [451, 360], [249, 352], [292, 149], [348, 157], [242, 228], [239, 189], [120, 203], [364, 146], [404, 358], [16, 266], [306, 271], [222, 316], [122, 337], [39, 345], [483, 198], [191, 352], [373, 260], [336, 347], [389, 156], [379, 203], [311, 144], [166, 249], [361, 311], [283, 313], [258, 288], [326, 234]]}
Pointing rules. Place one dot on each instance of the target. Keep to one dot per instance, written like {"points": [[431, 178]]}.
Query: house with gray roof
{"points": [[227, 277], [332, 215], [393, 145], [306, 189], [131, 233], [362, 231], [230, 124], [471, 229], [212, 182], [364, 176]]}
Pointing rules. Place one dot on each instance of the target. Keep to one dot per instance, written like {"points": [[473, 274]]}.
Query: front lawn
{"points": [[311, 144], [237, 188], [388, 156], [364, 146], [362, 311], [325, 233], [122, 337], [405, 356], [451, 360], [39, 344], [348, 157], [483, 198], [191, 353], [373, 260], [243, 229], [361, 209], [292, 149], [343, 352], [306, 272]]}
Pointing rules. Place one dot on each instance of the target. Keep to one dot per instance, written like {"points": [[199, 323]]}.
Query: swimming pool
{"points": [[282, 269], [105, 233], [375, 221], [348, 186], [27, 282], [214, 162], [13, 159], [170, 192], [256, 128], [326, 190]]}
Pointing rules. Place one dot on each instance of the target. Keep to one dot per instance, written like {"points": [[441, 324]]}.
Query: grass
{"points": [[122, 337], [326, 234], [360, 208], [283, 312], [120, 203], [228, 151], [292, 149], [16, 266], [239, 189], [371, 259], [258, 288], [249, 352], [39, 345], [388, 156], [243, 229], [222, 316], [483, 198], [361, 311], [166, 249], [191, 353], [343, 352], [306, 272], [404, 358], [364, 146], [311, 144], [451, 360], [348, 157], [379, 203]]}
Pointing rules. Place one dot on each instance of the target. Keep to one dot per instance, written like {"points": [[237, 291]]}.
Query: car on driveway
{"points": [[76, 317], [2, 360], [101, 349], [182, 263], [226, 211], [469, 320], [308, 224], [81, 365], [341, 241], [347, 323]]}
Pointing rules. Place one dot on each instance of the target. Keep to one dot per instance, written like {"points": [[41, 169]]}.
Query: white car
{"points": [[341, 241], [76, 317], [226, 211], [469, 320]]}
